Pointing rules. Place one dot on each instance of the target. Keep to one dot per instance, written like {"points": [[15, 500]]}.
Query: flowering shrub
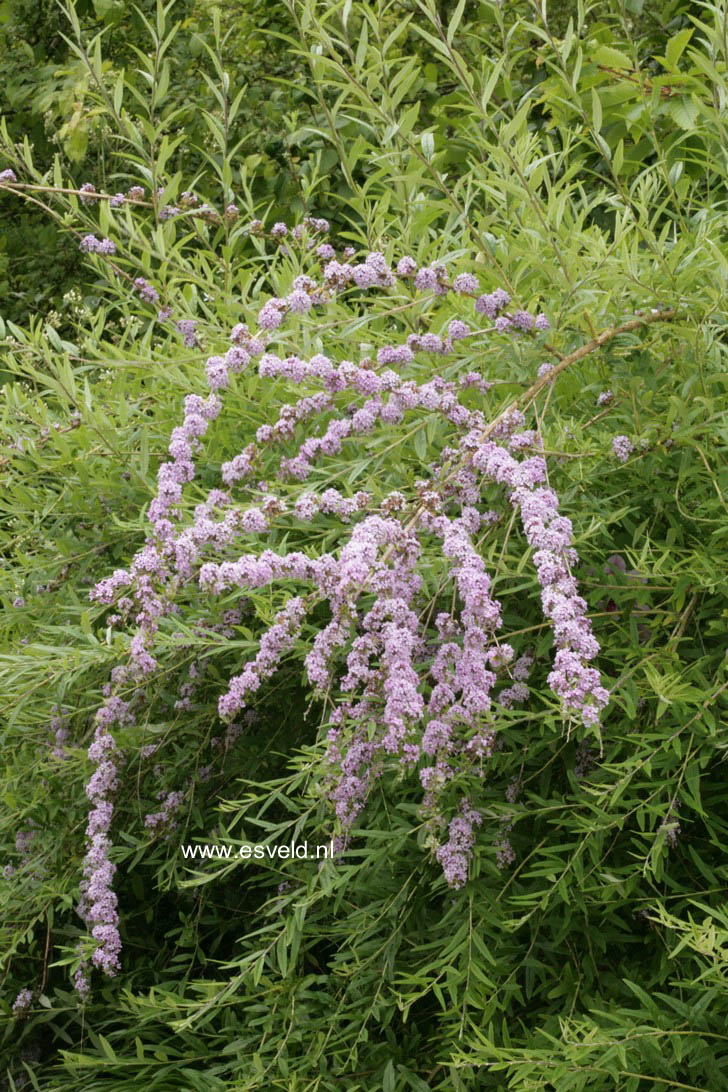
{"points": [[393, 537], [391, 660]]}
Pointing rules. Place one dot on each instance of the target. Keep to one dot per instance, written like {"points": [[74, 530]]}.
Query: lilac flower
{"points": [[622, 447], [549, 534], [462, 682], [522, 667], [98, 900], [513, 695], [8, 175], [465, 284], [457, 330], [522, 320], [513, 790], [254, 522], [298, 302], [273, 644], [521, 441], [373, 271], [338, 275], [432, 278], [316, 224], [271, 314], [88, 193], [455, 854], [363, 276], [146, 291], [493, 303], [406, 267], [505, 854], [116, 200], [472, 379], [24, 840], [391, 354], [171, 803], [188, 329], [136, 193], [216, 370], [431, 343], [22, 1002], [605, 398], [81, 982], [91, 245]]}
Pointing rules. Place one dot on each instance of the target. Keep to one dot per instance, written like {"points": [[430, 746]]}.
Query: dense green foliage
{"points": [[579, 162], [49, 96]]}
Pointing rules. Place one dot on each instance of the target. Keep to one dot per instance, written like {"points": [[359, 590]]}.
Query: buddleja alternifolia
{"points": [[404, 689]]}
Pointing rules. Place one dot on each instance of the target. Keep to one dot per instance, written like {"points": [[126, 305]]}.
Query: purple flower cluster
{"points": [[622, 447], [455, 854], [188, 329], [98, 901], [465, 284], [91, 245], [311, 224], [171, 803], [505, 854], [373, 272], [437, 395], [461, 695], [549, 535], [381, 663], [491, 304], [274, 643], [22, 1002], [146, 290], [171, 476], [88, 193], [432, 278]]}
